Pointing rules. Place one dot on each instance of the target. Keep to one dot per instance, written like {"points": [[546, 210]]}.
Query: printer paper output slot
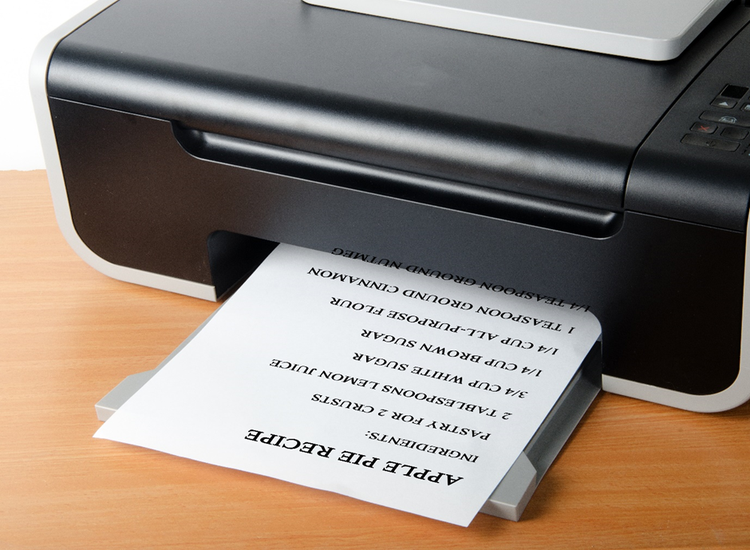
{"points": [[475, 199]]}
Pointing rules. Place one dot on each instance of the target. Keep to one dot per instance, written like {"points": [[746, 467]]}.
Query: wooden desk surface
{"points": [[634, 475]]}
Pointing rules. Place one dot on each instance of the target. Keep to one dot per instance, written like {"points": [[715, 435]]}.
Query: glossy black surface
{"points": [[668, 294], [545, 122]]}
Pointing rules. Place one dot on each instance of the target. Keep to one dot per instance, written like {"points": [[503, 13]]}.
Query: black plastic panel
{"points": [[397, 184], [668, 293], [513, 116], [711, 184]]}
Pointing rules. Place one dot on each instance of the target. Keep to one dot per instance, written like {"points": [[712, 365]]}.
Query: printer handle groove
{"points": [[514, 207]]}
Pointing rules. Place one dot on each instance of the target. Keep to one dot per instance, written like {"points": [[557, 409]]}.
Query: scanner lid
{"points": [[542, 122], [655, 30]]}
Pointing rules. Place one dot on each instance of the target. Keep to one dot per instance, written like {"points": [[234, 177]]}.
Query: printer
{"points": [[183, 140]]}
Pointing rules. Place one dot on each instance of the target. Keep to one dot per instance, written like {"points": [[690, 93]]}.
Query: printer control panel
{"points": [[725, 123]]}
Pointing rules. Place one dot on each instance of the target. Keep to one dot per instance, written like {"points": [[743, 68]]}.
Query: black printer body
{"points": [[183, 139]]}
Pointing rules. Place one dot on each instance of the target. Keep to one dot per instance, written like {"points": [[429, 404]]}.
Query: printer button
{"points": [[724, 103], [704, 127], [723, 118], [711, 143], [734, 133]]}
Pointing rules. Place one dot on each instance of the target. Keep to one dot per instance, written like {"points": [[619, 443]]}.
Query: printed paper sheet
{"points": [[394, 384]]}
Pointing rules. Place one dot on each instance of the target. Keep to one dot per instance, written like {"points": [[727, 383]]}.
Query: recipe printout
{"points": [[392, 384]]}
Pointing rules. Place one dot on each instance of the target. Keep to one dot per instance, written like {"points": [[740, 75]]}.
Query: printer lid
{"points": [[655, 30]]}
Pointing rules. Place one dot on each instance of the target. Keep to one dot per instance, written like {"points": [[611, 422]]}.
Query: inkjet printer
{"points": [[498, 141]]}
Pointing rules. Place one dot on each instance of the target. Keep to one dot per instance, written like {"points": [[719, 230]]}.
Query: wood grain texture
{"points": [[634, 475]]}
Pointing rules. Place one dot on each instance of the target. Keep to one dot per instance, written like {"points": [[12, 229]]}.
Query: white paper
{"points": [[392, 384]]}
